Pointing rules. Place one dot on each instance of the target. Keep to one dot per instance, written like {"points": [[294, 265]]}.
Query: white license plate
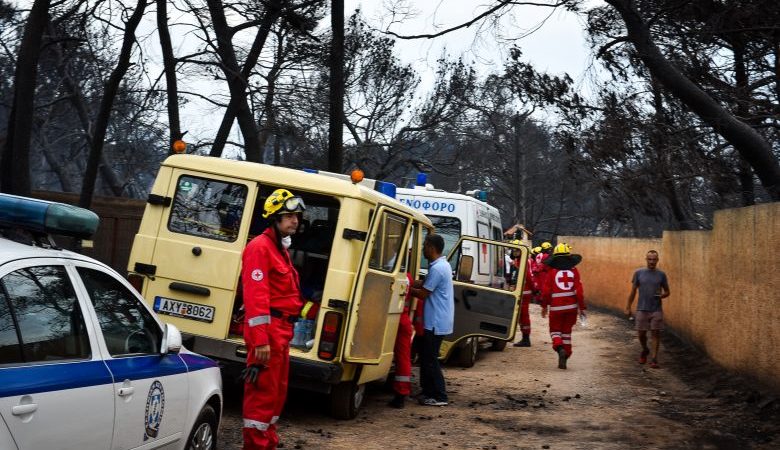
{"points": [[186, 310]]}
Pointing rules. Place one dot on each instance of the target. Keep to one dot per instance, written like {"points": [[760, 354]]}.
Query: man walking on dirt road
{"points": [[653, 286]]}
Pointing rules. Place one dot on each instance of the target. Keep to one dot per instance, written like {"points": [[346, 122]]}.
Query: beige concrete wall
{"points": [[725, 285]]}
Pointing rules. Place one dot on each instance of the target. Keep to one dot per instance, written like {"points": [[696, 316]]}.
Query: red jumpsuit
{"points": [[271, 298], [402, 352], [563, 293], [528, 290]]}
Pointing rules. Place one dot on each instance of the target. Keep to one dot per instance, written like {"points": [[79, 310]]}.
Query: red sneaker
{"points": [[643, 356], [654, 364]]}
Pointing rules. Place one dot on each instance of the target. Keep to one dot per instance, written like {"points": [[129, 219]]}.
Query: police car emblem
{"points": [[155, 405], [257, 275]]}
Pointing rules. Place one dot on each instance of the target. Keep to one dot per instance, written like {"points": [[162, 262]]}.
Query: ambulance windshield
{"points": [[449, 228]]}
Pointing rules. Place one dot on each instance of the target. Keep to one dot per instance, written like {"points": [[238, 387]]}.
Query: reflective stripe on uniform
{"points": [[555, 333], [403, 378], [561, 308], [259, 320], [274, 419], [306, 308], [564, 294], [567, 341], [528, 292], [249, 423]]}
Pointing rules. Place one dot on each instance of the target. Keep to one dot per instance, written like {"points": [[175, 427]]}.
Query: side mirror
{"points": [[465, 267], [171, 342]]}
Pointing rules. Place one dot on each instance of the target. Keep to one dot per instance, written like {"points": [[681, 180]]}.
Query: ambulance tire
{"points": [[497, 345], [467, 353], [204, 432], [346, 399]]}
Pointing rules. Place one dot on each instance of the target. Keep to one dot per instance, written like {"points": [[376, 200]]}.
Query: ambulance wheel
{"points": [[467, 353], [497, 345], [346, 399], [204, 432]]}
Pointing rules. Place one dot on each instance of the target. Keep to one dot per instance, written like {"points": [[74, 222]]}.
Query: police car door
{"points": [[150, 388], [489, 309], [380, 291], [55, 391]]}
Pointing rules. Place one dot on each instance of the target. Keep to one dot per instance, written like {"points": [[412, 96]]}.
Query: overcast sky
{"points": [[555, 40]]}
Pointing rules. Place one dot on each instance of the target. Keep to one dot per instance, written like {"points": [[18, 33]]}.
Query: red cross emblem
{"points": [[564, 279]]}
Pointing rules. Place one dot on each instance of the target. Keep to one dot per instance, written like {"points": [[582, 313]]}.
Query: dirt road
{"points": [[519, 399]]}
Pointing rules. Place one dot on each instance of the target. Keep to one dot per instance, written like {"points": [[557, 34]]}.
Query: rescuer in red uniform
{"points": [[402, 353], [524, 318], [542, 269], [272, 302], [562, 293]]}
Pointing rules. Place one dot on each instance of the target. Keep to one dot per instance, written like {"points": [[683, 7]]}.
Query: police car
{"points": [[84, 363]]}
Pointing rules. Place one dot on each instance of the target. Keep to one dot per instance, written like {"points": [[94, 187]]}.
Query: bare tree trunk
{"points": [[745, 174], [15, 161], [106, 103], [169, 64], [748, 142], [271, 16], [336, 127], [661, 156], [237, 81]]}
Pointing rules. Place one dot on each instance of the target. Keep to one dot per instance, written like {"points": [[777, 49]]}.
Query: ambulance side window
{"points": [[387, 246], [45, 315], [128, 327], [207, 208]]}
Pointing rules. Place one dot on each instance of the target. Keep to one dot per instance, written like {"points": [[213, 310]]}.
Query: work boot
{"points": [[526, 342], [397, 401], [561, 358]]}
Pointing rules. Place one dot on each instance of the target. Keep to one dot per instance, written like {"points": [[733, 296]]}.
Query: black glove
{"points": [[250, 373]]}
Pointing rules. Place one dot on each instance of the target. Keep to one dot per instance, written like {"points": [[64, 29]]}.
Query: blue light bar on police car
{"points": [[47, 217]]}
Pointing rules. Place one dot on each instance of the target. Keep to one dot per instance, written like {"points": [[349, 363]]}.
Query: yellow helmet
{"points": [[562, 249], [515, 242], [282, 201], [546, 245], [536, 250]]}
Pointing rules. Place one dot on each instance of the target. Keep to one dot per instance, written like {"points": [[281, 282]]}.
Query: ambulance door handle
{"points": [[125, 391], [21, 410]]}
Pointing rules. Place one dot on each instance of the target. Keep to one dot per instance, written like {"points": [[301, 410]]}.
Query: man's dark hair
{"points": [[436, 241], [652, 251]]}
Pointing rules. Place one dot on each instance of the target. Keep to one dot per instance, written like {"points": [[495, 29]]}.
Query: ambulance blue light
{"points": [[47, 217], [386, 188], [422, 179], [310, 170], [482, 195]]}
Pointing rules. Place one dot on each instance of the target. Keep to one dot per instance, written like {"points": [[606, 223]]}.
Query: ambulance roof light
{"points": [[422, 179], [47, 217], [386, 188]]}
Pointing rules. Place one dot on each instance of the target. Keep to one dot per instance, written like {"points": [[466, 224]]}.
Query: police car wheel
{"points": [[346, 399], [204, 432], [497, 345]]}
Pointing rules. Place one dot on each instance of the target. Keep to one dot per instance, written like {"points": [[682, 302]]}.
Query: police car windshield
{"points": [[449, 229]]}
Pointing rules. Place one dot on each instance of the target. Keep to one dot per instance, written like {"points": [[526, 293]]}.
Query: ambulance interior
{"points": [[310, 253]]}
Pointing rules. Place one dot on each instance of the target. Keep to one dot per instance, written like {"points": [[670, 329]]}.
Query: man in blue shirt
{"points": [[438, 319]]}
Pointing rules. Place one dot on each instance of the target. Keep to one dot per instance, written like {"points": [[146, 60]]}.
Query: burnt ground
{"points": [[519, 399]]}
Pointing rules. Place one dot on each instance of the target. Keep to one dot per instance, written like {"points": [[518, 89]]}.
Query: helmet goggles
{"points": [[292, 205]]}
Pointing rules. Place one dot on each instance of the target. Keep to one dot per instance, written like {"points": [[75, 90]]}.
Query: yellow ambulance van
{"points": [[353, 249]]}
